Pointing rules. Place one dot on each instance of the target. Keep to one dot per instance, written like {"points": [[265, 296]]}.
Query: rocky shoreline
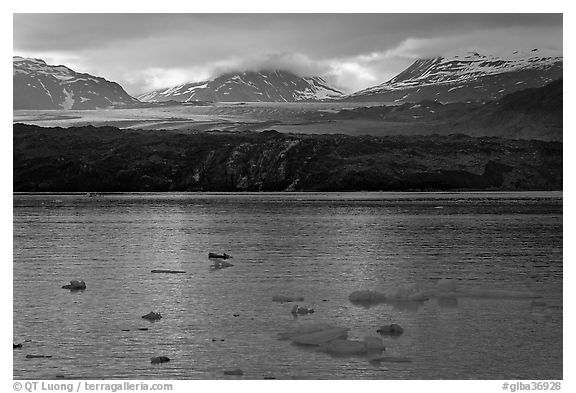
{"points": [[108, 159]]}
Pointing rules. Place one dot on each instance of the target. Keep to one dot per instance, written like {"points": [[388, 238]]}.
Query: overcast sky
{"points": [[143, 52]]}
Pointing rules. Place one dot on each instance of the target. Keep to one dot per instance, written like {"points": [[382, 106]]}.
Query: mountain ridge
{"points": [[471, 76], [248, 86], [38, 85]]}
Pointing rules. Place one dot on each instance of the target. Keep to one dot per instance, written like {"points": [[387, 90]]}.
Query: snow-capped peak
{"points": [[263, 86], [459, 68], [38, 85]]}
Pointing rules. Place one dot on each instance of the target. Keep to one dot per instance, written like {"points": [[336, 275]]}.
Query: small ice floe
{"points": [[152, 316], [297, 310], [75, 285], [213, 255], [321, 337], [236, 371], [451, 288], [409, 292], [447, 302], [159, 359], [391, 330], [333, 340], [370, 345], [404, 298], [287, 299]]}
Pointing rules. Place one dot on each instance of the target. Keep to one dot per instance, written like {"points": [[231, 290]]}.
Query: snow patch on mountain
{"points": [[68, 101]]}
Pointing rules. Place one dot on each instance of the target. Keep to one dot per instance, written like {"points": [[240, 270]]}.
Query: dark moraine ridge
{"points": [[107, 159]]}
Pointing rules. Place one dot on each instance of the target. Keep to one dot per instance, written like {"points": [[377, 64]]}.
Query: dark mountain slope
{"points": [[527, 114]]}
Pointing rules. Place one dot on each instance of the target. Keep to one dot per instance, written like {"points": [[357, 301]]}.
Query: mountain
{"points": [[264, 86], [470, 76], [535, 113], [109, 159], [38, 85]]}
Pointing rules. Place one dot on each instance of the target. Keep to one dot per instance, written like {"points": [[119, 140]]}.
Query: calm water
{"points": [[319, 246]]}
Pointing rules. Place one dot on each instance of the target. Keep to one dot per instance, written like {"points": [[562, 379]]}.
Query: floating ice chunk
{"points": [[301, 310], [447, 302], [159, 359], [75, 285], [391, 330], [353, 347], [409, 292], [344, 347], [498, 294], [367, 297], [447, 285], [450, 288], [152, 316], [213, 255], [236, 371], [373, 344], [321, 337]]}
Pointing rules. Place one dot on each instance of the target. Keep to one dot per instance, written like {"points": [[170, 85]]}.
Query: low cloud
{"points": [[156, 78], [138, 70], [349, 74], [297, 63], [497, 41]]}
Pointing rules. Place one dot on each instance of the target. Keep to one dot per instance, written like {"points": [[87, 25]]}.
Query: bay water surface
{"points": [[318, 246]]}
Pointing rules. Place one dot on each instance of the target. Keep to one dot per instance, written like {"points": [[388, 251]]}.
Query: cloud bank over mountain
{"points": [[351, 51]]}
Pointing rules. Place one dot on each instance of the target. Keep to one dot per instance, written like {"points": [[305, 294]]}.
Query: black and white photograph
{"points": [[286, 196]]}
